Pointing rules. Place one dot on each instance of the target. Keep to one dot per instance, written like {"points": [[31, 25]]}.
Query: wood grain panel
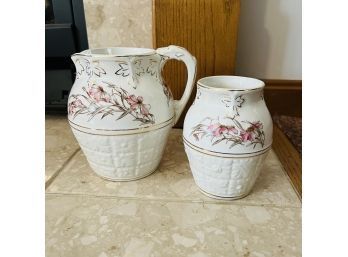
{"points": [[289, 157], [284, 97], [206, 28]]}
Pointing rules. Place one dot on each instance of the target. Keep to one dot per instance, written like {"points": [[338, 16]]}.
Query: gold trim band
{"points": [[222, 198], [225, 155], [115, 133], [118, 130], [125, 179], [121, 130]]}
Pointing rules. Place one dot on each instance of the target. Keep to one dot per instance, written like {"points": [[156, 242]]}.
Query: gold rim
{"points": [[200, 84], [120, 134], [225, 155], [109, 56], [230, 90]]}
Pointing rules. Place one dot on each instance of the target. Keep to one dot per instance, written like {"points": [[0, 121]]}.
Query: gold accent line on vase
{"points": [[225, 155], [118, 130], [122, 132]]}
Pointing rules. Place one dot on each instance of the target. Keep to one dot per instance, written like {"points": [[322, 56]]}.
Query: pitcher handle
{"points": [[181, 54]]}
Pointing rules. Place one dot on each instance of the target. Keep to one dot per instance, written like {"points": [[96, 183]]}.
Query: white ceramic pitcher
{"points": [[121, 112]]}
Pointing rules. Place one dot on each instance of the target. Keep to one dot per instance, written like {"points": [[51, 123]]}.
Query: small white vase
{"points": [[121, 112], [227, 135]]}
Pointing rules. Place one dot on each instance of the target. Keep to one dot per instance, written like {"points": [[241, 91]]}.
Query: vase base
{"points": [[226, 198], [125, 179]]}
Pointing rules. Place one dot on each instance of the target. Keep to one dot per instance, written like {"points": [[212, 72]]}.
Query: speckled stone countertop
{"points": [[163, 214]]}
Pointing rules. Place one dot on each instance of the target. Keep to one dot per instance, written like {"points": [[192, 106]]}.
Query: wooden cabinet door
{"points": [[206, 28]]}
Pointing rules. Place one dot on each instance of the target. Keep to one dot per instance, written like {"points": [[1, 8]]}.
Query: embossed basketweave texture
{"points": [[224, 177], [125, 157]]}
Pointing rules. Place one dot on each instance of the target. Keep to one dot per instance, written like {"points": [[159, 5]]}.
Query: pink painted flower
{"points": [[257, 124], [144, 109], [247, 136], [98, 94], [249, 133], [232, 129], [74, 105], [136, 103], [217, 129]]}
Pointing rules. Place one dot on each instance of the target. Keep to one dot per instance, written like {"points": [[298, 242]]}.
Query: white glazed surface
{"points": [[125, 157], [97, 92], [224, 177], [227, 134], [121, 112], [221, 107], [122, 89]]}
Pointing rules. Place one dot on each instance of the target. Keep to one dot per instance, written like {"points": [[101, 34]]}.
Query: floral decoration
{"points": [[83, 66], [98, 101], [152, 68], [98, 94], [138, 68], [122, 70], [235, 103], [198, 95], [236, 134], [167, 93]]}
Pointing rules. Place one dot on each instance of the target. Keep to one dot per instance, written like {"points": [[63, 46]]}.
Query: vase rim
{"points": [[230, 83]]}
